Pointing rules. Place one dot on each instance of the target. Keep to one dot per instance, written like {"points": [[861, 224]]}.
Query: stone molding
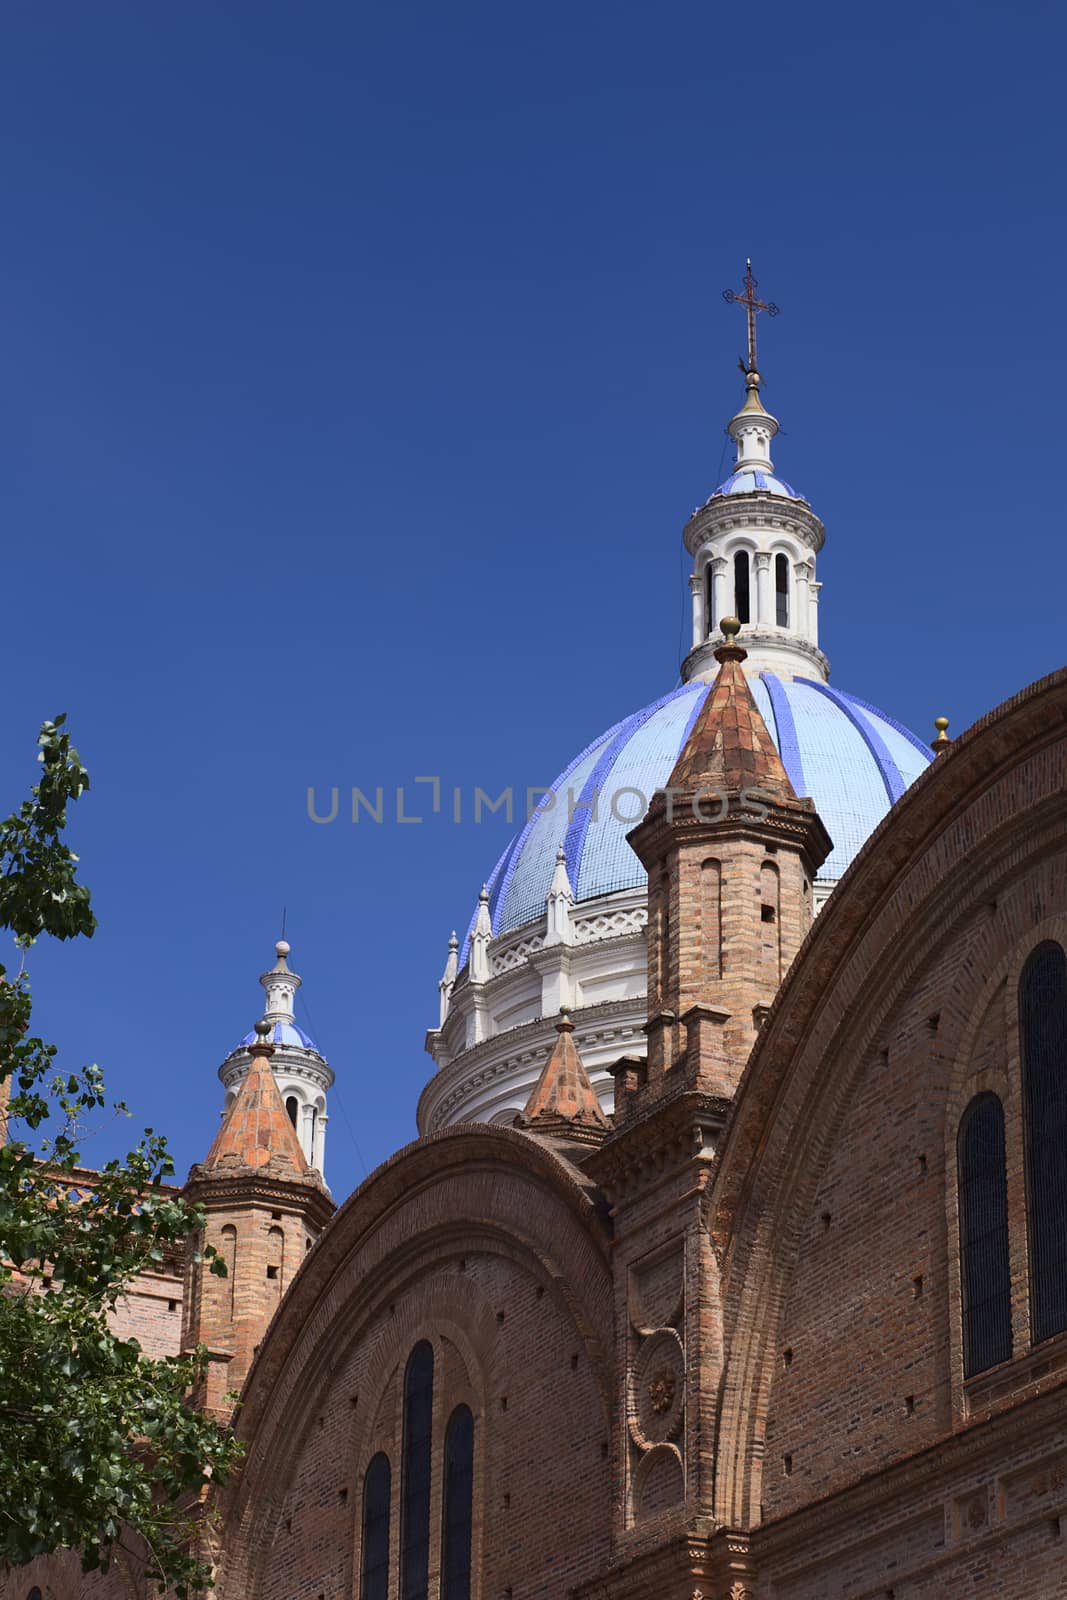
{"points": [[512, 1060], [761, 509]]}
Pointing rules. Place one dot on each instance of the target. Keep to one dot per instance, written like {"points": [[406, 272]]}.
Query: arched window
{"points": [[228, 1252], [711, 621], [377, 1498], [415, 1496], [1043, 1039], [985, 1269], [292, 1106], [458, 1511], [781, 591], [742, 609]]}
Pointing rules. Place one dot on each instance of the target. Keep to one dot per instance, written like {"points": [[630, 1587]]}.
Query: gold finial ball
{"points": [[731, 627], [942, 741]]}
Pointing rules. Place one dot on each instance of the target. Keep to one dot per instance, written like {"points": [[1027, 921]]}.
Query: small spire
{"points": [[729, 750], [561, 883], [448, 977], [480, 937], [563, 1100], [753, 428], [942, 742], [559, 903], [257, 1132], [281, 986]]}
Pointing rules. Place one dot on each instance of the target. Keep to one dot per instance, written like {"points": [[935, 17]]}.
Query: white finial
{"points": [[448, 977], [281, 986], [559, 903], [482, 934]]}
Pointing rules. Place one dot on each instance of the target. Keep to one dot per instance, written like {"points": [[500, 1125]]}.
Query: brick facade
{"points": [[716, 1353]]}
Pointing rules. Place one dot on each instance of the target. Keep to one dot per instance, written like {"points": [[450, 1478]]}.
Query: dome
{"points": [[750, 482], [852, 759], [283, 1033]]}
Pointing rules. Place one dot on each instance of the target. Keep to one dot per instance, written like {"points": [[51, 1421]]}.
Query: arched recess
{"points": [[743, 585], [377, 1525], [457, 1518], [984, 1253], [1043, 1048], [783, 608], [416, 1467], [414, 1212], [953, 846]]}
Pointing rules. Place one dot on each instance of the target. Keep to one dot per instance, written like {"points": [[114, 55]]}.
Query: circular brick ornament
{"points": [[657, 1388]]}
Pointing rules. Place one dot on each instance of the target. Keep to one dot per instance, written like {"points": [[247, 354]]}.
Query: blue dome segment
{"points": [[843, 775], [910, 755], [851, 758], [524, 871], [752, 481], [628, 773], [782, 726], [284, 1033], [869, 732]]}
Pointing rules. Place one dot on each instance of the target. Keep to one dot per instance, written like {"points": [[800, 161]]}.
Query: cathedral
{"points": [[730, 1262]]}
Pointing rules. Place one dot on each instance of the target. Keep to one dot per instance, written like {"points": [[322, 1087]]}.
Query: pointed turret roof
{"points": [[563, 1100], [257, 1132], [729, 747]]}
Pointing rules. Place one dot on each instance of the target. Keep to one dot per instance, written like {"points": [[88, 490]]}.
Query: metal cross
{"points": [[752, 305]]}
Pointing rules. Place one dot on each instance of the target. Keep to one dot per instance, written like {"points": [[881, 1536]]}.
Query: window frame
{"points": [[457, 1585], [416, 1473], [993, 1196], [384, 1567]]}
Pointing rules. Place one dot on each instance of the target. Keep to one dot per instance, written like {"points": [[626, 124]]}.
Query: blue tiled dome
{"points": [[284, 1033], [852, 759], [750, 481]]}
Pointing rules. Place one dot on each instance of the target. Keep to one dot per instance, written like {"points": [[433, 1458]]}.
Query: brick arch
{"points": [[955, 840], [475, 1190]]}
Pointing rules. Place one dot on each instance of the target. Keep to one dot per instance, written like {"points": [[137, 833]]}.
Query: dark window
{"points": [[710, 618], [985, 1271], [292, 1108], [458, 1506], [34, 1594], [377, 1497], [415, 1501], [781, 591], [741, 605], [1043, 1037]]}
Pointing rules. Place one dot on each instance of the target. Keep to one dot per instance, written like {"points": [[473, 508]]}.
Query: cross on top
{"points": [[753, 304]]}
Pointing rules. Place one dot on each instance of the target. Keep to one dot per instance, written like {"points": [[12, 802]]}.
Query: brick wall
{"points": [[474, 1241], [152, 1313]]}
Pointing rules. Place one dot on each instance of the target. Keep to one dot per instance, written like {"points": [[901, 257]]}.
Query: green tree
{"points": [[99, 1445]]}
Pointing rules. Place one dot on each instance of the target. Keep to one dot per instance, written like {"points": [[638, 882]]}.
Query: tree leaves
{"points": [[97, 1439]]}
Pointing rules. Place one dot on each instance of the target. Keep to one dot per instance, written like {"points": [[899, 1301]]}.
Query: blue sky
{"points": [[361, 366]]}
